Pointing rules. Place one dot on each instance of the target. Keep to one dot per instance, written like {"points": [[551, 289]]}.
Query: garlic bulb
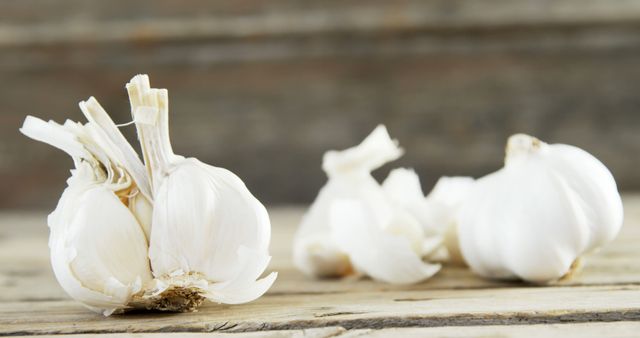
{"points": [[355, 226], [535, 217], [209, 235], [98, 245], [164, 235]]}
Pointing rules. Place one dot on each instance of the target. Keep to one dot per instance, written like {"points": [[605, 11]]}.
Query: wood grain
{"points": [[583, 330], [92, 21], [265, 89], [602, 297]]}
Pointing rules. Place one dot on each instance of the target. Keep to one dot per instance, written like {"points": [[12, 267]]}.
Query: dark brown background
{"points": [[265, 87]]}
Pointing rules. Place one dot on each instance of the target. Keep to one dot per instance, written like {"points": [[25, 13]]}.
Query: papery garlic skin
{"points": [[535, 217], [98, 247], [210, 234], [435, 212], [353, 222]]}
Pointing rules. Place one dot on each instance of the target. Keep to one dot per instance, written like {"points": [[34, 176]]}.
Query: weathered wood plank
{"points": [[582, 330], [265, 89], [325, 332], [96, 22], [273, 133], [364, 310], [607, 290]]}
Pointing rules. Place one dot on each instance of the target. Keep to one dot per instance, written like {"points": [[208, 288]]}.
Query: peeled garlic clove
{"points": [[332, 242], [98, 248], [535, 217], [210, 236]]}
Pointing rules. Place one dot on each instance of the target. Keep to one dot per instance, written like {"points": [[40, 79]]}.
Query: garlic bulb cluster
{"points": [[533, 219], [356, 225], [166, 234]]}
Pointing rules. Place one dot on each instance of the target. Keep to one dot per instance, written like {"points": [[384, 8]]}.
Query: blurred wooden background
{"points": [[265, 87]]}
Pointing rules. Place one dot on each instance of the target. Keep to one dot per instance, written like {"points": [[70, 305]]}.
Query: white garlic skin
{"points": [[315, 252], [435, 212], [535, 217], [354, 226], [98, 248]]}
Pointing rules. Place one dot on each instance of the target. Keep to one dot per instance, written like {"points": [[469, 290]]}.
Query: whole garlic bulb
{"points": [[535, 217], [355, 226], [98, 245], [210, 236]]}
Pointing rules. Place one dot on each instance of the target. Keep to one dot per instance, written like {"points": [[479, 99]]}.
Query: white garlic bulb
{"points": [[164, 235], [98, 246], [535, 217], [355, 226], [210, 235]]}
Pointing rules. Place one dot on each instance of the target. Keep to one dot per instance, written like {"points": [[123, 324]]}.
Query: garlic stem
{"points": [[150, 113]]}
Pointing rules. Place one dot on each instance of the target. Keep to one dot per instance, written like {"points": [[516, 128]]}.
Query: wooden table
{"points": [[601, 299]]}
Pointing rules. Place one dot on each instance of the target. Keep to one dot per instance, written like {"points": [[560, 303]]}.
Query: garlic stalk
{"points": [[354, 226], [98, 244], [210, 236], [534, 218]]}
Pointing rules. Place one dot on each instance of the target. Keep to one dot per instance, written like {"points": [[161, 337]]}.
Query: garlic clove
{"points": [[333, 241], [202, 214], [98, 250], [314, 253], [227, 217], [109, 138], [385, 256], [535, 217], [435, 212], [451, 191], [599, 198], [403, 186]]}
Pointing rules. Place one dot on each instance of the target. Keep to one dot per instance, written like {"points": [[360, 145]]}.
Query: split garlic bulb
{"points": [[355, 226], [535, 217], [166, 234]]}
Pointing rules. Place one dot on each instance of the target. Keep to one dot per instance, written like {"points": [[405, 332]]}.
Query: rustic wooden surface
{"points": [[603, 298], [265, 87]]}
